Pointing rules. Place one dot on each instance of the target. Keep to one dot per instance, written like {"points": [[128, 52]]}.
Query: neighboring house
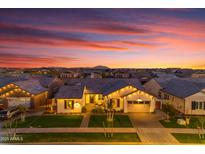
{"points": [[95, 75], [28, 92], [66, 75], [154, 85], [122, 75], [198, 75], [126, 95], [186, 96]]}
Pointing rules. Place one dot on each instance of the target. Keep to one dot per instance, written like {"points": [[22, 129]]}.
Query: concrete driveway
{"points": [[147, 120], [156, 136], [150, 129]]}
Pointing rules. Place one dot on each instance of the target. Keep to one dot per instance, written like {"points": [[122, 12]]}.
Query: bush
{"points": [[98, 110], [84, 110], [170, 109]]}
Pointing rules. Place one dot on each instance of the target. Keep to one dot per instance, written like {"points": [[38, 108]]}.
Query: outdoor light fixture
{"points": [[139, 100], [77, 105]]}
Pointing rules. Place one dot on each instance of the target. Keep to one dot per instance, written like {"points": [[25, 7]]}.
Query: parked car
{"points": [[9, 113]]}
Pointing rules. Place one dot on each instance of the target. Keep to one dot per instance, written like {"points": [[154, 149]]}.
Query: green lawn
{"points": [[189, 138], [119, 121], [173, 123], [51, 121], [78, 137]]}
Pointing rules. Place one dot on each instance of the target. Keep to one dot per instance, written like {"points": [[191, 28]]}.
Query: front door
{"points": [[92, 99], [158, 105]]}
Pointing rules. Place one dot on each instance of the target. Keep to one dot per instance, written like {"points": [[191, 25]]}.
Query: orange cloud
{"points": [[13, 60]]}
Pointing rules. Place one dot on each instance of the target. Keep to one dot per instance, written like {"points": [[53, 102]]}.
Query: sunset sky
{"points": [[132, 38]]}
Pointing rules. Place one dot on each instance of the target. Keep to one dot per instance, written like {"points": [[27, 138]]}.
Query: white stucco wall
{"points": [[61, 108], [199, 97]]}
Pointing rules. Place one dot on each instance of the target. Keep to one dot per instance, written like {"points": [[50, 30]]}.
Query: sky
{"points": [[117, 38]]}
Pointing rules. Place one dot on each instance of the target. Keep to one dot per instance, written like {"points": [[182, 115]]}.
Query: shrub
{"points": [[170, 109]]}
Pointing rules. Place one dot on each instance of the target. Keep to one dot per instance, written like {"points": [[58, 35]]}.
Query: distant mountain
{"points": [[101, 67]]}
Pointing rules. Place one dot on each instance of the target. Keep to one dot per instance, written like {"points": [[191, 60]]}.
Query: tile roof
{"points": [[75, 92], [104, 86], [113, 86], [7, 80], [32, 86], [183, 88], [163, 81]]}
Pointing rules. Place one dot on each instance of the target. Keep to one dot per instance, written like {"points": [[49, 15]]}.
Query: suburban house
{"points": [[198, 74], [26, 92], [185, 95], [95, 75], [126, 95], [156, 84]]}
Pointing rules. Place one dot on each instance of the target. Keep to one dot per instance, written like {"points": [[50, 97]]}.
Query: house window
{"points": [[135, 102], [147, 102], [69, 104], [129, 102], [160, 95], [100, 97], [197, 105], [118, 103], [193, 105], [166, 96]]}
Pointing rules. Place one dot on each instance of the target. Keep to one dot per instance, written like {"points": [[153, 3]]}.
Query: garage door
{"points": [[135, 106], [19, 101]]}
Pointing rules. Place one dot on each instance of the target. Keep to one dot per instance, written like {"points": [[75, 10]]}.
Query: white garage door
{"points": [[135, 106]]}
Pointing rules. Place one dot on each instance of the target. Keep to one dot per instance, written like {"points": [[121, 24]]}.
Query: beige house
{"points": [[122, 95], [186, 96]]}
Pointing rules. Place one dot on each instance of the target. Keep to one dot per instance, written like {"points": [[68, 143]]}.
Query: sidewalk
{"points": [[101, 130], [74, 130], [85, 121], [146, 135]]}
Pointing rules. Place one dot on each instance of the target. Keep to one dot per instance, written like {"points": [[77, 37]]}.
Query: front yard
{"points": [[119, 121], [77, 137], [172, 123], [189, 138], [51, 121]]}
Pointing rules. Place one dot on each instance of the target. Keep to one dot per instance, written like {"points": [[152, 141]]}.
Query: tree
{"points": [[8, 125], [201, 121], [23, 110]]}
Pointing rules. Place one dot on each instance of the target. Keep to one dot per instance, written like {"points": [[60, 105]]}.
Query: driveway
{"points": [[156, 136], [150, 129], [147, 120]]}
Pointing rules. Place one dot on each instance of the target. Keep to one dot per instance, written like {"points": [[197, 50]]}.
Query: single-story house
{"points": [[26, 92], [69, 99], [127, 95], [186, 96]]}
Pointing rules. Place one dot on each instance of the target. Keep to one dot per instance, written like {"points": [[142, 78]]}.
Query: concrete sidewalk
{"points": [[85, 121], [74, 130], [101, 130], [147, 135]]}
